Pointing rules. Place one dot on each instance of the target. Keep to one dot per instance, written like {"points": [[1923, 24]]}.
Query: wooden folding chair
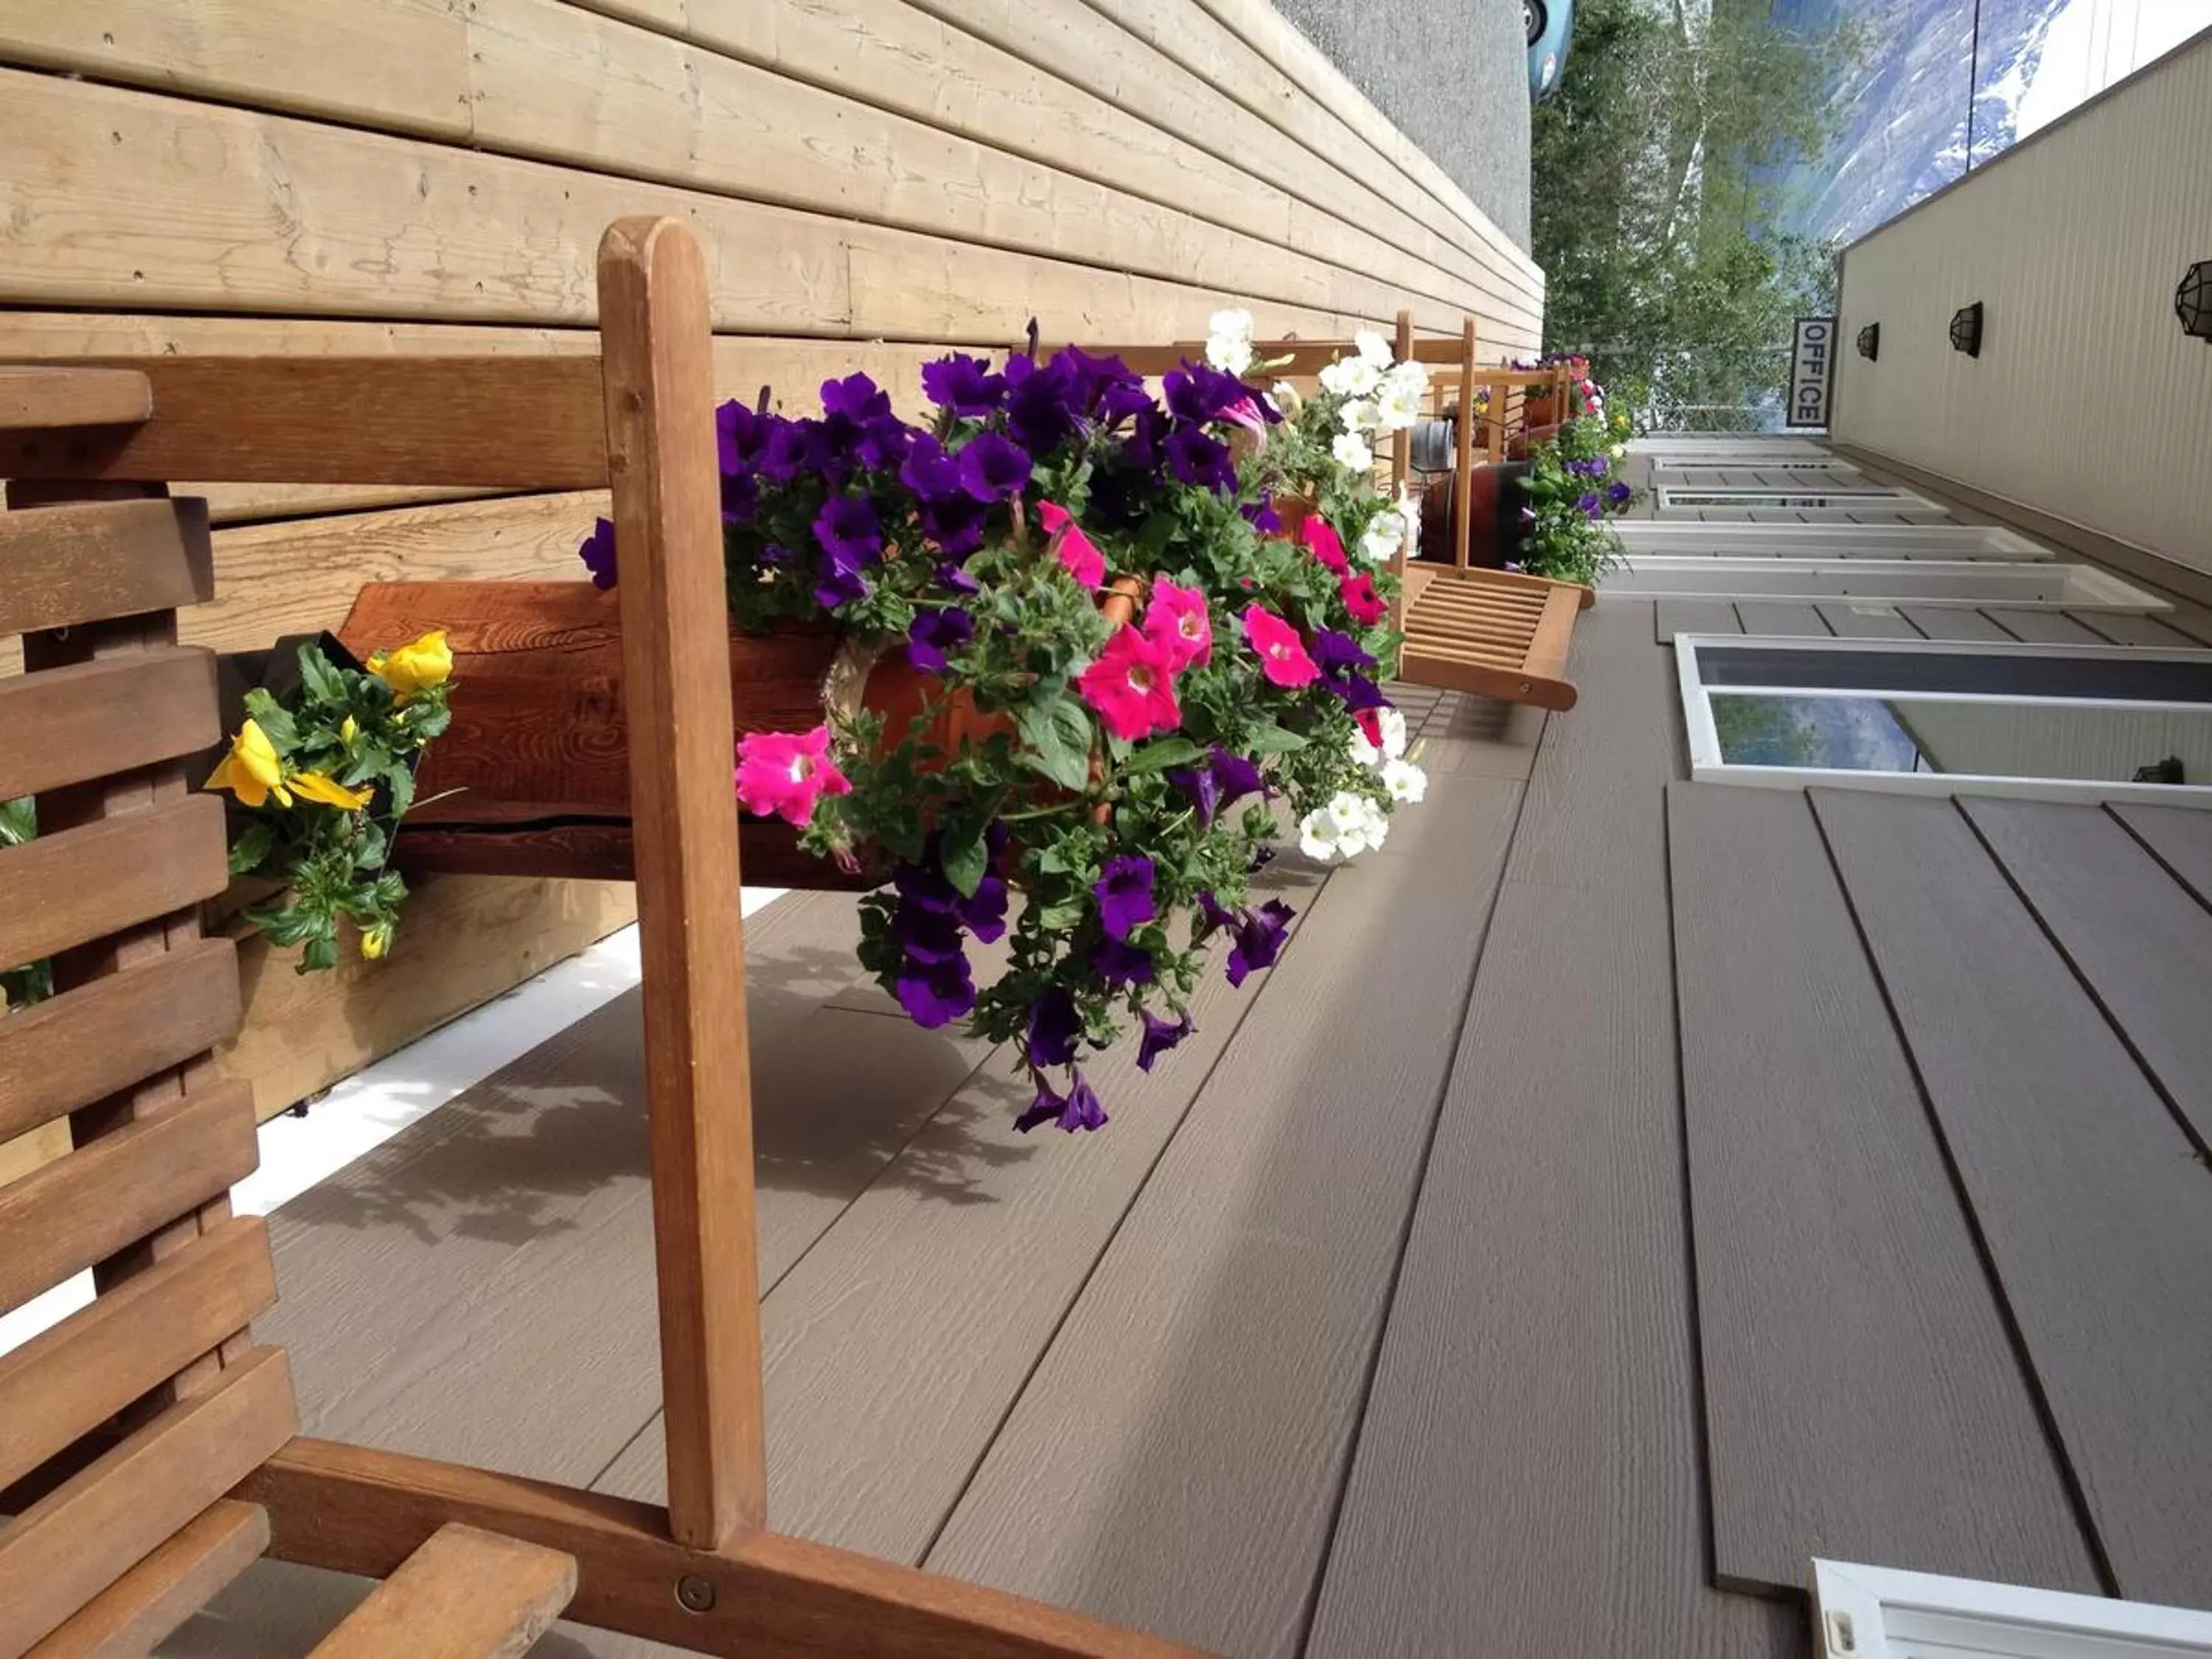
{"points": [[146, 1444]]}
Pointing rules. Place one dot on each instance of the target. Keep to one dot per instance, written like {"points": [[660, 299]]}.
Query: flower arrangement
{"points": [[1572, 492], [323, 774], [1134, 624]]}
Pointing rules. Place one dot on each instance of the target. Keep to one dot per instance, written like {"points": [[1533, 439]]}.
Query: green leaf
{"points": [[374, 847], [19, 821], [1273, 740], [1168, 751], [1059, 735], [399, 778], [274, 720], [319, 679], [252, 847], [1057, 918], [966, 859]]}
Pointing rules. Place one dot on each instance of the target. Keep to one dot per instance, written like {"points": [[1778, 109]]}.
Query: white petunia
{"points": [[1363, 752], [1352, 453], [1375, 823], [1406, 781], [1360, 415], [1409, 516], [1397, 406], [1385, 532], [1351, 377], [1372, 348], [1618, 452], [1339, 830], [1409, 373], [1391, 722], [1284, 397], [1229, 341]]}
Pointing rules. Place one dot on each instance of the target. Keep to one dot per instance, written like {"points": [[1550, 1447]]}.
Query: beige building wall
{"points": [[2088, 402]]}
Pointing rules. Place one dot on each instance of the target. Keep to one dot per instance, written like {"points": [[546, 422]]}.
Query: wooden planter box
{"points": [[533, 777]]}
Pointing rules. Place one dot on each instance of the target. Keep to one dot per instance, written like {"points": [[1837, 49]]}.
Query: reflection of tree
{"points": [[1766, 730]]}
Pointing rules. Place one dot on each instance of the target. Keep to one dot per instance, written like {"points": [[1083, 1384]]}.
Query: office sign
{"points": [[1812, 359]]}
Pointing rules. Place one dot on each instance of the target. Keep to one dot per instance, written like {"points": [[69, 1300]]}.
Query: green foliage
{"points": [[1571, 489], [1657, 215], [32, 981]]}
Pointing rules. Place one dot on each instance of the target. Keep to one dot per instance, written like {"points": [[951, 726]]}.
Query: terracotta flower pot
{"points": [[1496, 503]]}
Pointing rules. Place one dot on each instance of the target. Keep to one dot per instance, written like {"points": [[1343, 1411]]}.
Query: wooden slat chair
{"points": [[1490, 633], [148, 1445]]}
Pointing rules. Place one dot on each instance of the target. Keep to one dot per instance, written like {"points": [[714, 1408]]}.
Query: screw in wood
{"points": [[694, 1593]]}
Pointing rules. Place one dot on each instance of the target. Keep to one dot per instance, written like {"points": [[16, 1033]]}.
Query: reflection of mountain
{"points": [[1903, 115]]}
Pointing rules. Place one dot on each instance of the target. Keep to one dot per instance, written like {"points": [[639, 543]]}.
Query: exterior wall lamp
{"points": [[2193, 300], [1870, 341], [1966, 328]]}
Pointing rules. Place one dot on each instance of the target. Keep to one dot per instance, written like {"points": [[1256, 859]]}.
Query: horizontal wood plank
{"points": [[2040, 627], [2092, 1206], [2179, 837], [84, 883], [54, 399], [112, 714], [73, 1376], [466, 1594], [66, 1216], [1822, 1208], [135, 1614], [78, 1539], [66, 565]]}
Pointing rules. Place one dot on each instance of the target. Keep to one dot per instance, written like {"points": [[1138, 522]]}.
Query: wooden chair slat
{"points": [[84, 1535], [1493, 634], [35, 397], [94, 720], [73, 1376], [466, 1594], [84, 883], [61, 566], [110, 1032], [523, 422], [133, 1615], [1555, 632], [85, 1206]]}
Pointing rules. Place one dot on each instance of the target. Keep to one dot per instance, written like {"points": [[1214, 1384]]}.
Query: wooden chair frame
{"points": [[703, 1571]]}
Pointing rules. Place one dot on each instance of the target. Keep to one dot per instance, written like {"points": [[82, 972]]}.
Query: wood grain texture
{"points": [[1529, 1476], [466, 1594], [122, 1187], [675, 680], [135, 1614], [2092, 1208], [1867, 622], [76, 885], [604, 852], [2040, 627], [77, 564], [34, 397], [107, 1034], [93, 720], [464, 940], [73, 1376], [2144, 948], [74, 1543], [1174, 1462], [2181, 839], [1776, 617], [360, 1511], [1673, 617], [1894, 1422], [896, 1345]]}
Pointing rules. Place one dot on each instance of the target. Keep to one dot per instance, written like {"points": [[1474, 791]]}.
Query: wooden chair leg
{"points": [[1463, 455], [466, 1594]]}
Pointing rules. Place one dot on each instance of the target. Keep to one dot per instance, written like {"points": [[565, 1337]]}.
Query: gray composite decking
{"points": [[1621, 1189]]}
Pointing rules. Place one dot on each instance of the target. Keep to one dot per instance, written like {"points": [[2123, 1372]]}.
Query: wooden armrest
{"points": [[466, 1594], [41, 397]]}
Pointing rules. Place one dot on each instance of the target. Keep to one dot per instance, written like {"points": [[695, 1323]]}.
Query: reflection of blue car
{"points": [[1551, 26]]}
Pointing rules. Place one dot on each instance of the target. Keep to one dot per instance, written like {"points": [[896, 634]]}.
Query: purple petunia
{"points": [[847, 524], [856, 398], [740, 435], [1263, 516], [1618, 492], [1590, 504], [1198, 393], [1200, 461], [954, 577], [991, 468], [927, 471], [963, 385], [1212, 918], [923, 888], [1120, 963], [598, 554], [1124, 892], [1160, 1035], [789, 451], [1053, 1028], [1079, 1109], [1041, 402], [1259, 938], [1222, 781], [935, 994], [933, 633], [841, 581]]}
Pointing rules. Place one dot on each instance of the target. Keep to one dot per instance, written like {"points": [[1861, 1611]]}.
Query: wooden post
{"points": [[1463, 456], [1401, 471], [675, 694]]}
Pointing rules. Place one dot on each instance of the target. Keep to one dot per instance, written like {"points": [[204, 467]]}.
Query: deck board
{"points": [[1528, 1479], [1673, 617], [1175, 1461], [1867, 622], [2181, 836], [2143, 946], [1862, 1400], [2040, 627], [1952, 622], [1783, 617], [2096, 1216]]}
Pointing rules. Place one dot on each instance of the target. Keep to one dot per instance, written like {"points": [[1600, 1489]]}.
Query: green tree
{"points": [[1658, 213]]}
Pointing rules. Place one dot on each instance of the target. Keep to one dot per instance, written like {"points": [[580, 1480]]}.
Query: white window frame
{"points": [[1701, 451], [1787, 540], [1878, 581], [1770, 464], [1788, 498], [1882, 1613], [1706, 765]]}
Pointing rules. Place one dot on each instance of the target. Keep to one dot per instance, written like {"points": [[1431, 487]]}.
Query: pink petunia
{"points": [[1177, 622], [1283, 656], [1369, 722], [1079, 555], [1318, 534], [1132, 686], [1367, 606], [1246, 413], [783, 773]]}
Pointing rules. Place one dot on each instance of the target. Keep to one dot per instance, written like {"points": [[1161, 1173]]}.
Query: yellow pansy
{"points": [[348, 730], [251, 771], [315, 786], [428, 662], [374, 942]]}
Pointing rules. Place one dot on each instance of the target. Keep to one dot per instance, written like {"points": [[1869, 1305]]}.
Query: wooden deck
{"points": [[1621, 1188]]}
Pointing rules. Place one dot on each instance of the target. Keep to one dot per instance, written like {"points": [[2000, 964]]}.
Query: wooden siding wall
{"points": [[871, 181], [2088, 402]]}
